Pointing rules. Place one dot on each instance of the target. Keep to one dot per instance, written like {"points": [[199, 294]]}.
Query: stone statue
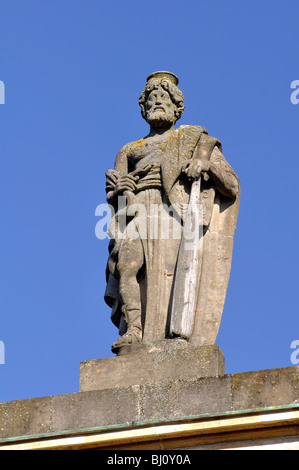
{"points": [[164, 281]]}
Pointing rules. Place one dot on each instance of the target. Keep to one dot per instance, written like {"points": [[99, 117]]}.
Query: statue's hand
{"points": [[111, 178], [194, 168], [126, 183]]}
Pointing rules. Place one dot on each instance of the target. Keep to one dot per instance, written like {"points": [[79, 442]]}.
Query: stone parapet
{"points": [[164, 400]]}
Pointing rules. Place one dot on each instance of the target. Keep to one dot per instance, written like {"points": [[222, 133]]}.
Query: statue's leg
{"points": [[130, 261]]}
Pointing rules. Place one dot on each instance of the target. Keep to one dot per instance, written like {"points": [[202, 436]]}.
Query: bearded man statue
{"points": [[150, 193]]}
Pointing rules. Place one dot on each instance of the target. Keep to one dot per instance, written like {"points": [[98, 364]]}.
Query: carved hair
{"points": [[175, 94]]}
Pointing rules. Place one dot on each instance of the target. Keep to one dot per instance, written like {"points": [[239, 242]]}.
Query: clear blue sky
{"points": [[73, 72]]}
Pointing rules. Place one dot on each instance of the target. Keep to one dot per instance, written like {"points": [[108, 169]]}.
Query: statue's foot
{"points": [[132, 337]]}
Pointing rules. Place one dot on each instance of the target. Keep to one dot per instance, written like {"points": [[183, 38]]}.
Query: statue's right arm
{"points": [[118, 180]]}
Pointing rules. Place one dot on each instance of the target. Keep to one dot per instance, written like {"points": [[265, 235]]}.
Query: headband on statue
{"points": [[167, 75]]}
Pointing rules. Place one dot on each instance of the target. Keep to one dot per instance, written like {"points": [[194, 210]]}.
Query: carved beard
{"points": [[158, 119]]}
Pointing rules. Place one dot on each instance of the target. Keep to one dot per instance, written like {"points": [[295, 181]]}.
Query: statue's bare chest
{"points": [[148, 150]]}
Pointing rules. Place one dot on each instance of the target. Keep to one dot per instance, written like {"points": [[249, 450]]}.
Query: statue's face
{"points": [[159, 108]]}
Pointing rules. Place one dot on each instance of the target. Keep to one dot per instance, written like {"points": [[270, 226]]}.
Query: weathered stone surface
{"points": [[147, 402], [172, 235], [152, 362], [256, 389], [24, 417], [185, 397], [94, 408]]}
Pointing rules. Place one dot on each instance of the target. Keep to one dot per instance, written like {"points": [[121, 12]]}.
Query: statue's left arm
{"points": [[208, 160], [224, 177]]}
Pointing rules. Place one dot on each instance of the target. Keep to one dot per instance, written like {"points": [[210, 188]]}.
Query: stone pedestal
{"points": [[151, 363]]}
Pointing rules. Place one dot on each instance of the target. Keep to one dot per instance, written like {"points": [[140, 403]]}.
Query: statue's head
{"points": [[161, 102]]}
